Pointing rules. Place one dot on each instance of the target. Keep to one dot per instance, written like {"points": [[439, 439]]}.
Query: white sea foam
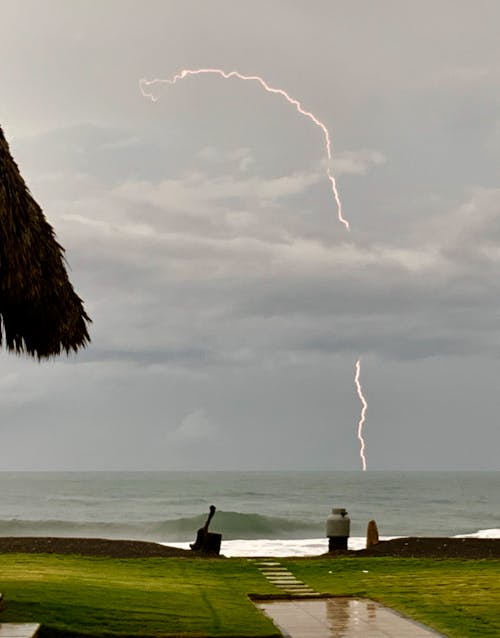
{"points": [[482, 533], [275, 547], [304, 546]]}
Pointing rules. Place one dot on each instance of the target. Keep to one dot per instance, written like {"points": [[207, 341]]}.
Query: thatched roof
{"points": [[40, 313]]}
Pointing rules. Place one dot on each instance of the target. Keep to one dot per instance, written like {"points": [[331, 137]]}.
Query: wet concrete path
{"points": [[340, 618]]}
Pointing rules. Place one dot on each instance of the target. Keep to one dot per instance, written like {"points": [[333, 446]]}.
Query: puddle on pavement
{"points": [[340, 618]]}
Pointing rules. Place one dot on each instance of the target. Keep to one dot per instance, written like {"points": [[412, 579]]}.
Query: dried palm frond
{"points": [[40, 313]]}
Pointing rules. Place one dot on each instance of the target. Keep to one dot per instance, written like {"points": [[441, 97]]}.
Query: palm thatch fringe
{"points": [[40, 313]]}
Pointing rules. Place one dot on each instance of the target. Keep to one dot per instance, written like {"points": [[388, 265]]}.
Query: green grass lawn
{"points": [[78, 596], [134, 597]]}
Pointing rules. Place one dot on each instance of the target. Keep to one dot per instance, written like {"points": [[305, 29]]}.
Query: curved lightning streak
{"points": [[364, 408], [144, 84]]}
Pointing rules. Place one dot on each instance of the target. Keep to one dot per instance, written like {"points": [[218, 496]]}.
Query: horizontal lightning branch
{"points": [[146, 84]]}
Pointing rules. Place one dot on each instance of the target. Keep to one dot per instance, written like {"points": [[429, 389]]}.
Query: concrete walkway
{"points": [[18, 630], [340, 618]]}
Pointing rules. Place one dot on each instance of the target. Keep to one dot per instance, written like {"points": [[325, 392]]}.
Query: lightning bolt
{"points": [[364, 408], [181, 75], [144, 86]]}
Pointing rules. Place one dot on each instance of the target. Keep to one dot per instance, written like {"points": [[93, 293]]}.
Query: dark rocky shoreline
{"points": [[412, 547], [435, 547], [88, 547]]}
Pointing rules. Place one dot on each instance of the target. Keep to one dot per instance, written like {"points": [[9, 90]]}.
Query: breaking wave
{"points": [[233, 525]]}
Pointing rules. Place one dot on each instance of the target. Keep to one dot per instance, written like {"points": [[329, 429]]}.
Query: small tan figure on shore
{"points": [[371, 534]]}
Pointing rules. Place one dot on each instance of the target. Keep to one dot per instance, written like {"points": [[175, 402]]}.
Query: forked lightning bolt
{"points": [[364, 408], [144, 87], [145, 84]]}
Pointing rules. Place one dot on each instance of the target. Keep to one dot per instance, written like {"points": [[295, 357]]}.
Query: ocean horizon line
{"points": [[250, 471]]}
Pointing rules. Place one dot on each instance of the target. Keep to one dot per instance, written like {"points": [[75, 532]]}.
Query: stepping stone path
{"points": [[283, 579]]}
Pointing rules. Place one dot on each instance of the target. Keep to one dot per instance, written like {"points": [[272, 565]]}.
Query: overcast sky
{"points": [[229, 305]]}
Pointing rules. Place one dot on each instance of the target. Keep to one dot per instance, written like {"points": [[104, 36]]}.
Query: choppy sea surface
{"points": [[258, 513]]}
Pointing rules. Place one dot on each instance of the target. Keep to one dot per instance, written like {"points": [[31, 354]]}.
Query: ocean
{"points": [[258, 513]]}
